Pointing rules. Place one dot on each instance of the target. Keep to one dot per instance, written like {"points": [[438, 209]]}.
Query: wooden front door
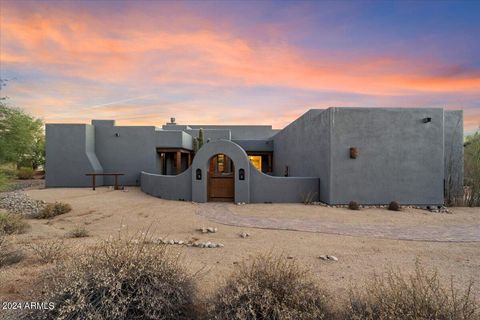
{"points": [[221, 179]]}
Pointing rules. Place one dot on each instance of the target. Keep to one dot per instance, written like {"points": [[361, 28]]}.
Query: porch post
{"points": [[189, 159], [179, 162]]}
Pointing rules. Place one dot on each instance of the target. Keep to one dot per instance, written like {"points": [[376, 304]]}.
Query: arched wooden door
{"points": [[221, 179]]}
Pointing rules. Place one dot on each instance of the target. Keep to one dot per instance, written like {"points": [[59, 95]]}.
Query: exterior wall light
{"points": [[427, 120], [117, 134], [353, 153]]}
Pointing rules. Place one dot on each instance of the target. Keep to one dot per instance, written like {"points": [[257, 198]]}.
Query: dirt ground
{"points": [[106, 212]]}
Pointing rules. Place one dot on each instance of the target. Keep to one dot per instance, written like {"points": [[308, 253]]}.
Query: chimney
{"points": [[172, 120]]}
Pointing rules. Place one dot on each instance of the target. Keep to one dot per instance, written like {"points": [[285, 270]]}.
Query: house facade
{"points": [[334, 155]]}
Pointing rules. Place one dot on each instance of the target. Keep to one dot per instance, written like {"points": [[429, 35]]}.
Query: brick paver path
{"points": [[222, 214]]}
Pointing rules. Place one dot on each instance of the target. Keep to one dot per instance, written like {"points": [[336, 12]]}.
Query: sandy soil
{"points": [[106, 212]]}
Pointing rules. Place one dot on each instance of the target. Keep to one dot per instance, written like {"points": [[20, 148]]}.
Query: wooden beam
{"points": [[189, 159], [179, 161]]}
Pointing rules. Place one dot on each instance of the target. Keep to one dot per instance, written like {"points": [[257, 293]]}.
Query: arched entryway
{"points": [[201, 164], [221, 179]]}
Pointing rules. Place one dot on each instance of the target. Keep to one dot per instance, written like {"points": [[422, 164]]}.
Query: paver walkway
{"points": [[220, 213]]}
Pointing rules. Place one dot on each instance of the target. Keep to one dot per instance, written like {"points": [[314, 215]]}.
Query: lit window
{"points": [[256, 161]]}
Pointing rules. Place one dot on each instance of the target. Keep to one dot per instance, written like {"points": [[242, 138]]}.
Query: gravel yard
{"points": [[106, 212]]}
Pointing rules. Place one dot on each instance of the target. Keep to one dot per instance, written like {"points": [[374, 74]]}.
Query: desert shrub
{"points": [[418, 297], [353, 205], [309, 197], [48, 251], [12, 223], [54, 209], [8, 254], [25, 173], [119, 279], [394, 206], [272, 287], [77, 232], [472, 170]]}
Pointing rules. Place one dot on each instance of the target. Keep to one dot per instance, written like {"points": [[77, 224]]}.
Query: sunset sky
{"points": [[237, 62]]}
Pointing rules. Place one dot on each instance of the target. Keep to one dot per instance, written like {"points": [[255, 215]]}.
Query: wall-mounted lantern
{"points": [[117, 134], [427, 120], [198, 174], [353, 153], [241, 174]]}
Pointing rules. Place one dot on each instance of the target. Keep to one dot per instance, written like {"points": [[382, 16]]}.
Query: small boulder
{"points": [[333, 258], [323, 257]]}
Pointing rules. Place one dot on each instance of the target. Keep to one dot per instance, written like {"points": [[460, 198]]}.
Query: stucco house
{"points": [[335, 155]]}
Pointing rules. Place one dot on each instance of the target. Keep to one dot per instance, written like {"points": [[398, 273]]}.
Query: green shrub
{"points": [[119, 279], [54, 209], [353, 205], [25, 173], [272, 287], [394, 206], [418, 297], [11, 223], [77, 232]]}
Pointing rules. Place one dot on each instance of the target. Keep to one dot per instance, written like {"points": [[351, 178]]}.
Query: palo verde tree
{"points": [[472, 169], [22, 139]]}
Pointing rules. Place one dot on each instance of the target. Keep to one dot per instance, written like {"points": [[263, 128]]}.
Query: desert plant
{"points": [[394, 206], [12, 223], [309, 197], [53, 209], [25, 173], [353, 205], [48, 251], [8, 254], [77, 232], [472, 170], [418, 297], [272, 287], [119, 279]]}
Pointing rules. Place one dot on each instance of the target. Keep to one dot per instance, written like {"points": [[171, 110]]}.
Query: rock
{"points": [[323, 257], [289, 257], [244, 235], [204, 230], [181, 242], [212, 245], [220, 245], [171, 242], [19, 202], [175, 241], [333, 258]]}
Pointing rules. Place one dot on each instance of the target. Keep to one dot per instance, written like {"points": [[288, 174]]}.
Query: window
{"points": [[256, 161]]}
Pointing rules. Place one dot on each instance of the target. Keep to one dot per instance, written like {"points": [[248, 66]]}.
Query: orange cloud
{"points": [[84, 48]]}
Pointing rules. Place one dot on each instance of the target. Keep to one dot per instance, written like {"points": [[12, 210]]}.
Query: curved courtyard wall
{"points": [[265, 188], [177, 187]]}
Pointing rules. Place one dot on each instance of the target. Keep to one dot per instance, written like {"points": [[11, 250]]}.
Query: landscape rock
{"points": [[333, 258], [323, 257], [244, 234], [19, 202]]}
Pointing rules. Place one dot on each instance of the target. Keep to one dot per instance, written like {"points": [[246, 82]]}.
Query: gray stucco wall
{"points": [[242, 132], [400, 157], [70, 155], [177, 187], [265, 188], [304, 146], [255, 145], [211, 134], [133, 151], [202, 160], [453, 130]]}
